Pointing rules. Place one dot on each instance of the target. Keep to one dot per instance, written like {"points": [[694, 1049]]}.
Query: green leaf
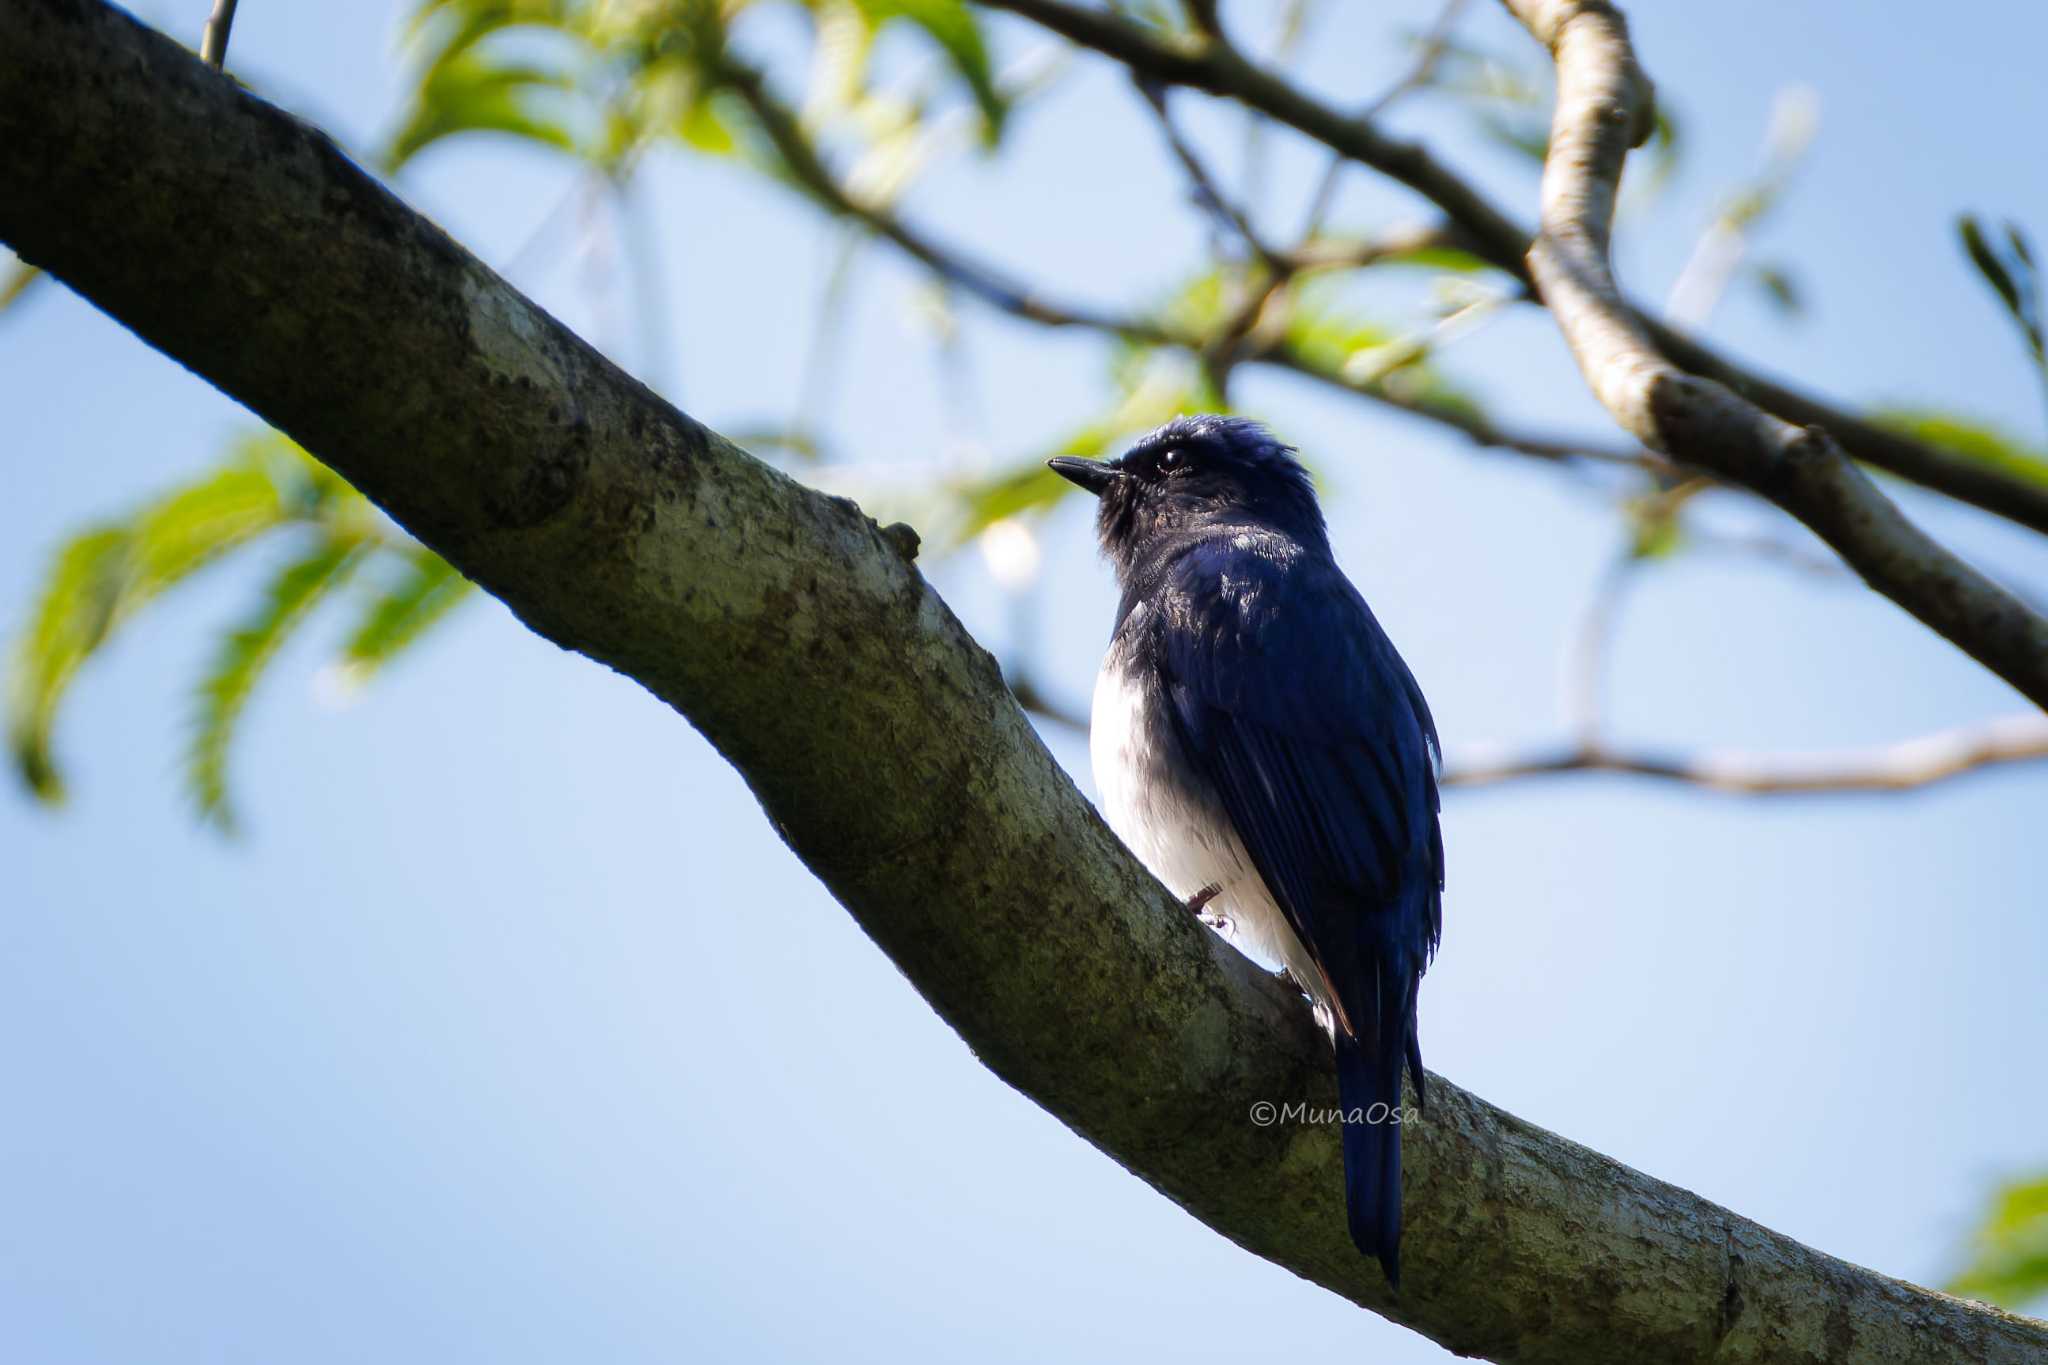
{"points": [[1970, 439], [953, 27], [196, 525], [1454, 259], [1021, 488], [1987, 262], [1780, 288], [468, 93], [2008, 1262], [1330, 339], [71, 619], [428, 590], [706, 124], [2012, 277], [105, 574], [241, 657]]}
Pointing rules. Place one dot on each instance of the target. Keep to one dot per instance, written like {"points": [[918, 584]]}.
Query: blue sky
{"points": [[511, 1031]]}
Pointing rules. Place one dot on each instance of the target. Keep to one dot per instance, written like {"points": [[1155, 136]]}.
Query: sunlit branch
{"points": [[1219, 69], [1923, 761], [1604, 109], [1909, 764], [994, 288]]}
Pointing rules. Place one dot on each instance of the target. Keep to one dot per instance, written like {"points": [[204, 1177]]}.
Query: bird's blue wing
{"points": [[1287, 695], [1291, 700]]}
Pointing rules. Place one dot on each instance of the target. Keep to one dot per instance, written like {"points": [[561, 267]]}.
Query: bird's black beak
{"points": [[1093, 475]]}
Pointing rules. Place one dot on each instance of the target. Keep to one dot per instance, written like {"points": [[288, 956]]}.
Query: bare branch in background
{"points": [[1219, 69], [1208, 194], [821, 359], [1706, 274], [1586, 659], [1429, 54], [1287, 35], [995, 289], [1905, 766], [1603, 109]]}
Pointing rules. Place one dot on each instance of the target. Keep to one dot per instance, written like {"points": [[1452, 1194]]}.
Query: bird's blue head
{"points": [[1192, 478]]}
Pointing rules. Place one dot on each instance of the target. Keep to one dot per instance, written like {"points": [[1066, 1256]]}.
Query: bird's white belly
{"points": [[1177, 826]]}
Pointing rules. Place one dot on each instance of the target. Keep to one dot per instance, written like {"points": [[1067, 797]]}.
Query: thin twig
{"points": [[1220, 353], [1429, 55], [1707, 271], [1209, 195], [1907, 765], [213, 43], [1287, 36], [821, 362], [1904, 766], [1586, 659]]}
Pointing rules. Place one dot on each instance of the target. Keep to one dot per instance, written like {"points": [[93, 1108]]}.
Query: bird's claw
{"points": [[1200, 899]]}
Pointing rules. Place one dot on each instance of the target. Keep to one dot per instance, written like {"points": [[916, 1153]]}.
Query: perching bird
{"points": [[1263, 750]]}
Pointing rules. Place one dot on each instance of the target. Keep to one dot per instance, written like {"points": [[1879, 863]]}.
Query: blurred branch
{"points": [[821, 363], [1429, 55], [1202, 14], [1293, 24], [1032, 698], [1208, 195], [1705, 276], [1905, 766], [1216, 67], [1220, 352], [1586, 660], [808, 169], [1603, 109]]}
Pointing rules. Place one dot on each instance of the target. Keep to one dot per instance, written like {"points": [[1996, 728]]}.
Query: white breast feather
{"points": [[1179, 832]]}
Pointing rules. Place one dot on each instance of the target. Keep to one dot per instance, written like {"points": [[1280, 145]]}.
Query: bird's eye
{"points": [[1172, 458]]}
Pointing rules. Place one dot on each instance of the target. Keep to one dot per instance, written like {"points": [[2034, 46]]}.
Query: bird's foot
{"points": [[1198, 902]]}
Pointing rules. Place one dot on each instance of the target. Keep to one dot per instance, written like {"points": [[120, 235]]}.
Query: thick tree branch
{"points": [[1213, 66], [1603, 109], [877, 735]]}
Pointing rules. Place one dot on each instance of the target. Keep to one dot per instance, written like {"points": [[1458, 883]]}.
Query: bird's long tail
{"points": [[1369, 1088]]}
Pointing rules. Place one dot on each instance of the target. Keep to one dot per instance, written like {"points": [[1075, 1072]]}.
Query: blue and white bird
{"points": [[1263, 750]]}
